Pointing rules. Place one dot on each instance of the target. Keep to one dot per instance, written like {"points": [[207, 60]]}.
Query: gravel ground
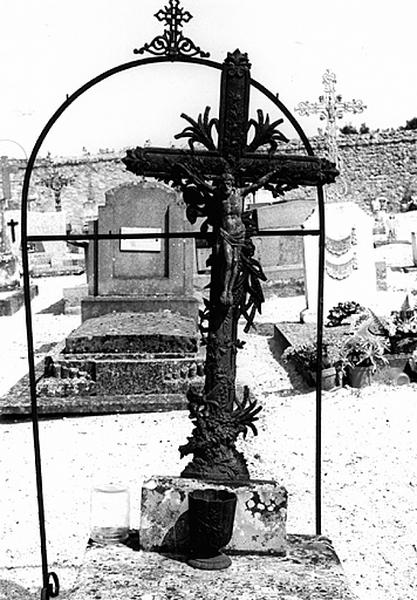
{"points": [[369, 462]]}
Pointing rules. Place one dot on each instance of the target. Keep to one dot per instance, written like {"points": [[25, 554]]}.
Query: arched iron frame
{"points": [[50, 581]]}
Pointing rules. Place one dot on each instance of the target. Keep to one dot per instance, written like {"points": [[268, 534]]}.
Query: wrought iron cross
{"points": [[330, 108], [214, 183]]}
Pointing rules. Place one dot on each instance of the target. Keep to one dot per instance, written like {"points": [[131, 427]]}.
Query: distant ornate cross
{"points": [[330, 108], [214, 183], [56, 182]]}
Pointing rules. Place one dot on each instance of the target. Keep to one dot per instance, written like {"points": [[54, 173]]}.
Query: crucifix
{"points": [[330, 107], [215, 176]]}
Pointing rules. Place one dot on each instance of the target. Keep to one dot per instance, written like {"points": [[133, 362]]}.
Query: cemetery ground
{"points": [[369, 466]]}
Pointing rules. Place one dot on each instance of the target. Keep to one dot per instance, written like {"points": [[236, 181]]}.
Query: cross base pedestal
{"points": [[259, 525]]}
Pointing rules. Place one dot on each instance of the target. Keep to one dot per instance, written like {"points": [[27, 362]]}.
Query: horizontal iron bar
{"points": [[147, 236]]}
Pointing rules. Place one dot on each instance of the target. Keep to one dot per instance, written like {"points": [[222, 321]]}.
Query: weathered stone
{"points": [[259, 522], [17, 402], [153, 333], [310, 570]]}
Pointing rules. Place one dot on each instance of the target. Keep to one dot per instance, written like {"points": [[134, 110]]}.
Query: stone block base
{"points": [[11, 302], [96, 306], [259, 525]]}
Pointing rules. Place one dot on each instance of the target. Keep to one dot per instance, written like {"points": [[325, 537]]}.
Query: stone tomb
{"points": [[123, 362], [141, 275]]}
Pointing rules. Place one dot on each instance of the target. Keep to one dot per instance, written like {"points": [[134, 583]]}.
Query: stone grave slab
{"points": [[116, 363], [165, 332], [292, 334], [310, 569]]}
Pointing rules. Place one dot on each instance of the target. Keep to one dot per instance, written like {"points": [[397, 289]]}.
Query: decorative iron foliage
{"points": [[265, 133], [199, 132], [212, 442], [172, 42], [251, 296]]}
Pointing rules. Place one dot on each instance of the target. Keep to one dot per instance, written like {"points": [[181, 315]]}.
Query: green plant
{"points": [[365, 352], [341, 311], [364, 128]]}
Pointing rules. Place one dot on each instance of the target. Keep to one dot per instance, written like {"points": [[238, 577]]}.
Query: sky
{"points": [[51, 48]]}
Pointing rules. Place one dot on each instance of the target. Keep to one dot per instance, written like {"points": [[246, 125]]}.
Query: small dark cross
{"points": [[214, 183], [12, 224]]}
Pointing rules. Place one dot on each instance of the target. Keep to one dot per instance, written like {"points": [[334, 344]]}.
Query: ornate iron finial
{"points": [[172, 42]]}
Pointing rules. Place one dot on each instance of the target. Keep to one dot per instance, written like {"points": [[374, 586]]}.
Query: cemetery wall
{"points": [[377, 164], [372, 165]]}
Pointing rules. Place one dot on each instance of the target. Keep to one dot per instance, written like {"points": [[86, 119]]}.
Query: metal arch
{"points": [[320, 294], [47, 591]]}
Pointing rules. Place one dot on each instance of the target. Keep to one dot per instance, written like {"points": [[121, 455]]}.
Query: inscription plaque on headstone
{"points": [[140, 245]]}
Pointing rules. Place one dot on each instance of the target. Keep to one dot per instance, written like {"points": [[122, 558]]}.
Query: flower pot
{"points": [[211, 517], [359, 376], [328, 378]]}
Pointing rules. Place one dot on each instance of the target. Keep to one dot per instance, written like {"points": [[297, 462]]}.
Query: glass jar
{"points": [[110, 514]]}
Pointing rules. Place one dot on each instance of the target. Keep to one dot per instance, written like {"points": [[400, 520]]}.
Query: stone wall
{"points": [[379, 164], [372, 165]]}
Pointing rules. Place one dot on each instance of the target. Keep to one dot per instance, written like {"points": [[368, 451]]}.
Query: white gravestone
{"points": [[349, 272]]}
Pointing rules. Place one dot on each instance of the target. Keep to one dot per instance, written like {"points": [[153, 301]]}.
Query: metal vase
{"points": [[211, 517]]}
